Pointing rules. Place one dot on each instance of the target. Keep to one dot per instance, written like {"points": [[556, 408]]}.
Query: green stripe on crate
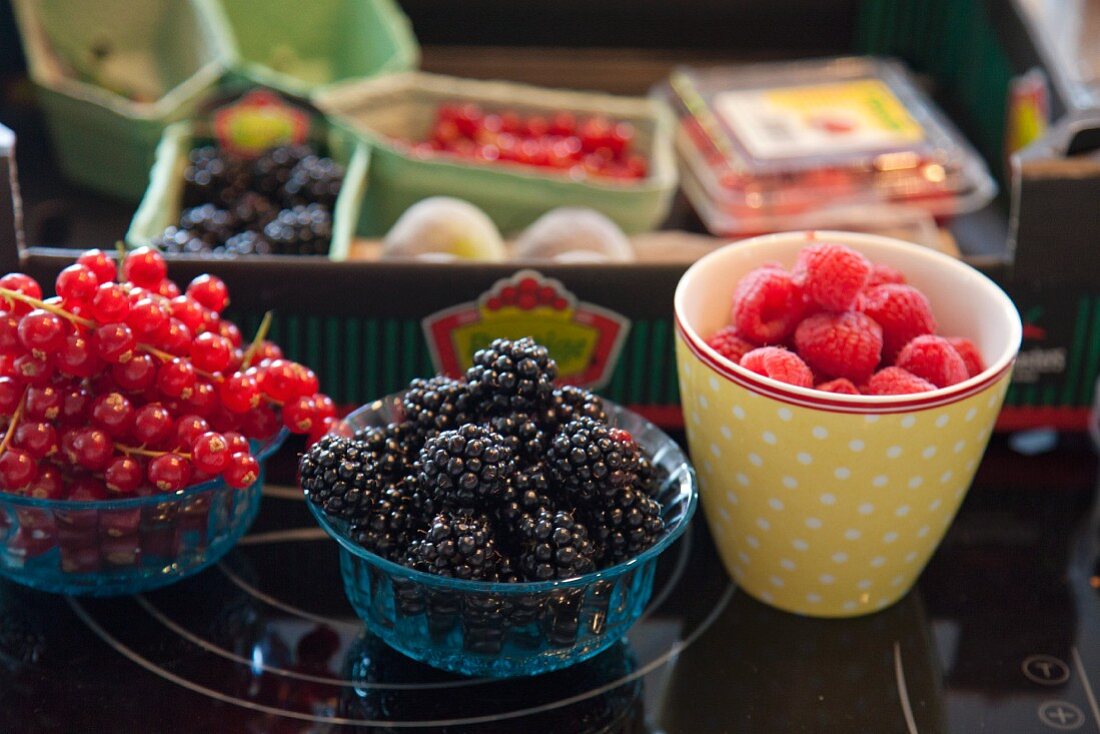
{"points": [[371, 348], [314, 356], [660, 355], [1076, 352], [387, 350], [411, 337], [642, 361], [1031, 394], [1011, 395], [293, 338], [1050, 394], [334, 365], [1092, 360], [353, 374]]}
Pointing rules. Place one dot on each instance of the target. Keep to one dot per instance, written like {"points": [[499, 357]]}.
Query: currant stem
{"points": [[14, 423], [139, 451], [52, 308], [120, 249], [261, 334], [164, 356]]}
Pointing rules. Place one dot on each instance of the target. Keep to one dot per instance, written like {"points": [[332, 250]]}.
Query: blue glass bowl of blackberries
{"points": [[499, 525]]}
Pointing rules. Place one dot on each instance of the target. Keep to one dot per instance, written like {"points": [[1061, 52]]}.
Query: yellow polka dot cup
{"points": [[823, 504]]}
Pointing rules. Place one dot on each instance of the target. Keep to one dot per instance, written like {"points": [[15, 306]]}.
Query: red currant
{"points": [[175, 379], [114, 343], [239, 393], [174, 337], [17, 469], [75, 404], [189, 312], [210, 453], [43, 403], [99, 263], [114, 414], [144, 267], [76, 284], [24, 284], [326, 408], [167, 289], [307, 382], [260, 422], [210, 291], [188, 429], [9, 333], [279, 380], [33, 371], [124, 475], [41, 332], [110, 304], [76, 356], [136, 375], [147, 317], [243, 470], [320, 428], [224, 421], [268, 350], [39, 439], [299, 415], [152, 424], [230, 331], [204, 398], [169, 472], [11, 392], [93, 448], [48, 485], [211, 353], [237, 442]]}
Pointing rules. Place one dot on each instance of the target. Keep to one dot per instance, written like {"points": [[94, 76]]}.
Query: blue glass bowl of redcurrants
{"points": [[499, 525], [135, 423]]}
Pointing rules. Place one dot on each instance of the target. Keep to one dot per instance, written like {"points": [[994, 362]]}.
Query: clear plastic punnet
{"points": [[777, 146]]}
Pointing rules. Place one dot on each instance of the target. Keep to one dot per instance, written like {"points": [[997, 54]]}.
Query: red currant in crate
{"points": [[145, 267], [100, 264], [76, 284], [210, 291]]}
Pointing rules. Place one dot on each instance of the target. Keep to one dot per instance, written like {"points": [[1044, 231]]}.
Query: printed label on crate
{"points": [[584, 339], [257, 121], [844, 117]]}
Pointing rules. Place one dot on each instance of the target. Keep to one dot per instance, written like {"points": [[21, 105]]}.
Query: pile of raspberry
{"points": [[122, 385], [501, 476], [841, 324]]}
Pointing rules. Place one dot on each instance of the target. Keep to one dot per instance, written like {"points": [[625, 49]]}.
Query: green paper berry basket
{"points": [[298, 48], [110, 75], [381, 111], [162, 202]]}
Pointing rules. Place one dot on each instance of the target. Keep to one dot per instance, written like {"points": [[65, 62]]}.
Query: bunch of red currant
{"points": [[581, 147], [122, 385]]}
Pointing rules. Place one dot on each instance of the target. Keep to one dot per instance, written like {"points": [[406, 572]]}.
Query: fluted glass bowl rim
{"points": [[672, 458], [262, 450]]}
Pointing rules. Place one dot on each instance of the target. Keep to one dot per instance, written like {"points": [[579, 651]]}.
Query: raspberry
{"points": [[845, 344], [726, 342], [903, 313], [934, 359], [896, 381], [767, 305], [971, 357], [832, 275], [778, 364], [883, 274], [840, 386]]}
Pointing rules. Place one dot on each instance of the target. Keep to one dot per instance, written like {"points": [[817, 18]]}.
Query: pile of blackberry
{"points": [[280, 203], [500, 476]]}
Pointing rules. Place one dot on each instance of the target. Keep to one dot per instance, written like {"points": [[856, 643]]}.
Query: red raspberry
{"points": [[845, 344], [778, 364], [883, 274], [767, 305], [971, 357], [841, 386], [726, 342], [896, 381], [934, 359], [903, 313], [832, 275]]}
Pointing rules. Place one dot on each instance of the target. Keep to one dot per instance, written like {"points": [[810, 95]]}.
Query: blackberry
{"points": [[336, 475], [591, 460], [435, 404], [213, 176], [175, 241], [523, 434], [254, 211], [388, 448], [302, 230], [629, 523], [558, 547], [528, 492], [394, 518], [569, 402], [459, 545], [314, 180], [245, 243], [465, 468], [511, 376], [271, 171], [211, 224]]}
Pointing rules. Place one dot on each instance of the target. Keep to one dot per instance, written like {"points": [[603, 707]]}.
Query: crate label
{"points": [[842, 117], [257, 121], [583, 338]]}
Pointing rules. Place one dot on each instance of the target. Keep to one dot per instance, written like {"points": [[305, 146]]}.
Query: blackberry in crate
{"points": [[271, 171], [245, 243], [213, 176], [211, 224], [394, 519], [524, 436], [254, 211], [302, 230], [433, 405], [459, 545], [315, 179], [569, 402], [625, 526], [557, 547], [511, 376], [336, 476], [465, 468], [177, 241], [591, 460]]}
